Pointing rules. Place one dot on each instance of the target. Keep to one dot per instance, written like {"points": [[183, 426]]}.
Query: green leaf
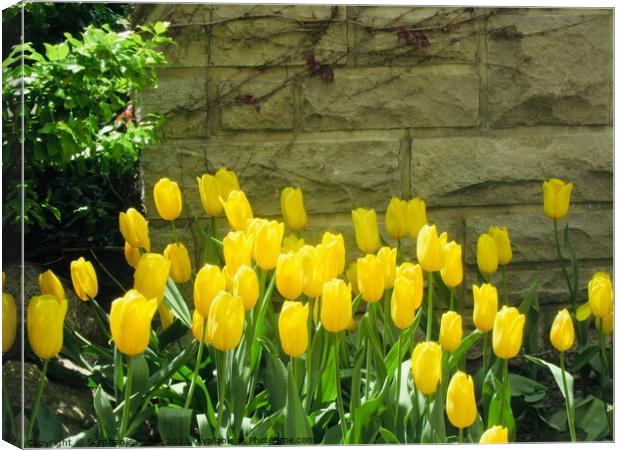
{"points": [[140, 375], [296, 423], [174, 425], [82, 439], [275, 377], [48, 427], [167, 370], [557, 376], [175, 301], [139, 419], [463, 348], [160, 27], [591, 417], [105, 414], [266, 428], [204, 429], [530, 390], [388, 436], [364, 415]]}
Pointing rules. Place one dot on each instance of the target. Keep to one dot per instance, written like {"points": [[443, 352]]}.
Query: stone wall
{"points": [[499, 100]]}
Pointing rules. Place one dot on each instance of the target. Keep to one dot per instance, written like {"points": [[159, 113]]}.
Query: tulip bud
{"points": [[210, 194], [426, 366], [495, 435], [292, 243], [608, 323], [130, 322], [352, 277], [293, 328], [485, 306], [238, 210], [227, 181], [336, 306], [600, 295], [168, 200], [84, 279], [387, 259], [134, 229], [209, 282], [407, 296], [430, 248], [245, 285], [562, 331], [312, 270], [502, 240], [132, 254], [396, 218], [289, 275], [336, 243], [451, 331], [197, 322], [366, 230], [452, 270], [267, 244], [487, 254], [508, 332], [180, 265], [225, 321], [9, 321], [51, 285], [556, 196], [166, 317], [292, 205], [416, 216], [370, 278], [151, 275], [44, 322], [237, 251], [461, 400]]}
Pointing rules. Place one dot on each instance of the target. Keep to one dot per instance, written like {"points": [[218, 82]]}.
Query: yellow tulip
{"points": [[396, 218], [452, 270], [9, 321], [292, 243], [600, 295], [293, 328], [289, 275], [84, 279], [132, 254], [237, 251], [245, 285], [495, 435], [312, 270], [370, 278], [197, 322], [502, 241], [227, 181], [225, 321], [292, 205], [336, 243], [209, 282], [134, 229], [151, 275], [366, 230], [416, 216], [180, 264], [268, 244], [44, 322], [608, 323], [451, 331], [426, 366], [168, 199], [210, 194], [165, 315], [508, 332], [387, 259], [461, 400], [406, 299], [352, 277], [336, 306], [238, 210], [485, 306], [130, 322], [430, 248], [228, 275], [556, 196], [51, 285], [486, 254], [562, 331]]}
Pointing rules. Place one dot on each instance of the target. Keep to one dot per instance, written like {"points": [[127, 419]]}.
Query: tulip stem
{"points": [[504, 383], [451, 299], [104, 329], [601, 340], [37, 403], [175, 233], [429, 309], [192, 385], [125, 417], [485, 345], [368, 363], [308, 387], [460, 435], [221, 387], [563, 264], [8, 406], [569, 413], [398, 377], [504, 286], [343, 425]]}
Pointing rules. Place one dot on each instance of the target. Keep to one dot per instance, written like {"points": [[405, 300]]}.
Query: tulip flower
{"points": [[502, 241], [245, 285], [413, 273], [336, 306], [292, 205], [180, 265], [416, 216], [238, 210], [396, 218], [166, 317], [227, 181], [168, 199], [84, 279], [51, 285], [556, 196], [225, 321], [366, 230], [485, 306], [209, 282], [210, 194], [197, 323], [426, 366], [228, 276], [352, 277], [289, 275], [370, 278], [430, 248], [508, 332], [461, 401], [452, 271], [134, 229], [292, 243], [387, 258], [600, 295], [562, 331], [9, 321], [450, 331], [495, 435], [151, 275], [130, 322], [312, 270], [406, 299], [268, 244], [237, 251], [132, 254], [486, 254], [336, 243], [293, 328]]}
